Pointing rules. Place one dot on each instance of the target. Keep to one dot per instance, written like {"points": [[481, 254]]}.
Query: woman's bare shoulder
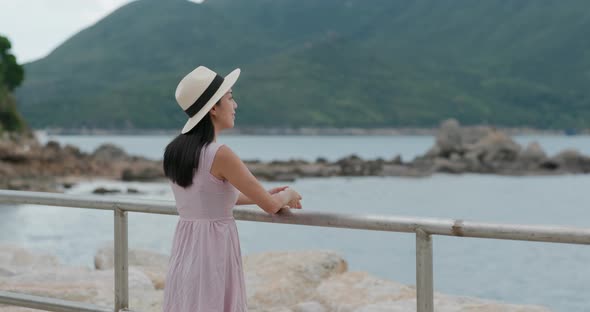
{"points": [[224, 149], [226, 154]]}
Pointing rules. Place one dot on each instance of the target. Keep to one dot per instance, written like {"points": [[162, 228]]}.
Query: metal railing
{"points": [[424, 228]]}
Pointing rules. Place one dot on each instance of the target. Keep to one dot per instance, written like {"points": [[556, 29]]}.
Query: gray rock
{"points": [[74, 151], [14, 259], [283, 177], [355, 166], [83, 285], [406, 171], [472, 161], [532, 158], [317, 170], [131, 190], [494, 152], [284, 279], [352, 290], [152, 264], [109, 152], [571, 160], [142, 174], [451, 138], [449, 166], [13, 153], [361, 292], [102, 190], [104, 258], [533, 153], [309, 306], [53, 145], [277, 171]]}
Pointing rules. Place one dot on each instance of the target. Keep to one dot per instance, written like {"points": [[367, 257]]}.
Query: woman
{"points": [[208, 179]]}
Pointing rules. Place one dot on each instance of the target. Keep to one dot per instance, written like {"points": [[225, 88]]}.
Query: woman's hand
{"points": [[277, 190], [291, 198], [294, 203]]}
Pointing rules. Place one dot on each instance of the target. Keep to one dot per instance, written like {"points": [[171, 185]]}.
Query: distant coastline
{"points": [[306, 131], [456, 150]]}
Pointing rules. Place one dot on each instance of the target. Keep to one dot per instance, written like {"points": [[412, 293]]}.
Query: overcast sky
{"points": [[36, 27]]}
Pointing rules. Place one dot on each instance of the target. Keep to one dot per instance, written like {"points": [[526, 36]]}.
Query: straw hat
{"points": [[198, 91]]}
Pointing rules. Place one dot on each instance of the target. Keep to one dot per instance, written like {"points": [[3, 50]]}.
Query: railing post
{"points": [[121, 263], [424, 284]]}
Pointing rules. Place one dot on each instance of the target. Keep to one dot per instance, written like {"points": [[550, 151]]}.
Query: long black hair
{"points": [[181, 157]]}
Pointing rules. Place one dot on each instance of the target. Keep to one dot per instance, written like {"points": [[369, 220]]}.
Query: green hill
{"points": [[336, 63]]}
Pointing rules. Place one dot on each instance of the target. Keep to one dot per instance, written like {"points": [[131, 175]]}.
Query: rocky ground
{"points": [[27, 165], [303, 281]]}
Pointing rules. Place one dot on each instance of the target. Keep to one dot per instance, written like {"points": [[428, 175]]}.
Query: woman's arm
{"points": [[244, 200], [232, 169]]}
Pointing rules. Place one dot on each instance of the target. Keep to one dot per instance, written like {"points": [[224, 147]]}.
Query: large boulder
{"points": [[109, 152], [355, 166], [285, 279], [361, 292], [469, 149], [533, 158], [15, 259], [104, 258], [352, 290], [14, 152], [153, 265], [41, 274], [533, 153], [83, 285], [452, 138], [571, 160], [495, 151]]}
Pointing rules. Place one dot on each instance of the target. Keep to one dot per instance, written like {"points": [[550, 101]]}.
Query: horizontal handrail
{"points": [[433, 226], [48, 304]]}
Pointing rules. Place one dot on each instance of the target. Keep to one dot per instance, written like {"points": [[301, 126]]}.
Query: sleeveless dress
{"points": [[205, 267]]}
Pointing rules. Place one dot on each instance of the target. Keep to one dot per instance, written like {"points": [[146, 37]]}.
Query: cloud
{"points": [[36, 27]]}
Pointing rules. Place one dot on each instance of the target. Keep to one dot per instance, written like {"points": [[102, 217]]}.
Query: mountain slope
{"points": [[343, 63]]}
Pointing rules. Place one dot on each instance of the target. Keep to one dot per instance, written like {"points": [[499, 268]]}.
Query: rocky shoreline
{"points": [[289, 281], [28, 165]]}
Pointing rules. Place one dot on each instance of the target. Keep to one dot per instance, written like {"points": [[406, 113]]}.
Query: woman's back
{"points": [[208, 198], [205, 268]]}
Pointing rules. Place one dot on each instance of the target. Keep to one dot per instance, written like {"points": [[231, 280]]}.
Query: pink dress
{"points": [[205, 268]]}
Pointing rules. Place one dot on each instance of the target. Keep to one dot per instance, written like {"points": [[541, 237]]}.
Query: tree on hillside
{"points": [[11, 73], [11, 76]]}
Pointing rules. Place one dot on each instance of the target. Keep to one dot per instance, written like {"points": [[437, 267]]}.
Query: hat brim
{"points": [[228, 82]]}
